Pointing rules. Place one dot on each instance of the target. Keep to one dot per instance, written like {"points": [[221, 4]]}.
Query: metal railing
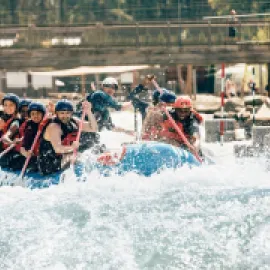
{"points": [[133, 35]]}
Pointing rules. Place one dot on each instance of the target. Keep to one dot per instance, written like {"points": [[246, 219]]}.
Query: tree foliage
{"points": [[222, 7], [44, 12]]}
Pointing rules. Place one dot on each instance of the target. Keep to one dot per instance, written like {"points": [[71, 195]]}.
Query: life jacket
{"points": [[21, 135], [69, 135], [8, 123], [151, 133], [69, 131], [28, 124], [168, 130]]}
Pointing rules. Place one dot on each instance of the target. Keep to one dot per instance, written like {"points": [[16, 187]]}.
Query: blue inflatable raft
{"points": [[145, 158]]}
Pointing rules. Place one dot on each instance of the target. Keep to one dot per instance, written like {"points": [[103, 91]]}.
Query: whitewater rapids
{"points": [[213, 217]]}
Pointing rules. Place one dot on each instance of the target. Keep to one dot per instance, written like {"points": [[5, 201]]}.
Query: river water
{"points": [[213, 217]]}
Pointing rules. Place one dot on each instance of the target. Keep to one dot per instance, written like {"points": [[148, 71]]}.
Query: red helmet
{"points": [[182, 102]]}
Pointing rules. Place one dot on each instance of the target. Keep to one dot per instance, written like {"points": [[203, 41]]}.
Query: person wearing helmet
{"points": [[58, 140], [186, 118], [23, 109], [102, 100], [9, 119], [36, 113], [10, 124], [151, 125]]}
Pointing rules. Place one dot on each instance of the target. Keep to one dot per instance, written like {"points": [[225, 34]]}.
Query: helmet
{"points": [[110, 82], [36, 106], [64, 105], [166, 96], [23, 103], [182, 102], [13, 98]]}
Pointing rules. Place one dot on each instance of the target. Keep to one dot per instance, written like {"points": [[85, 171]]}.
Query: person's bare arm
{"points": [[91, 124], [53, 134], [24, 152], [12, 131]]}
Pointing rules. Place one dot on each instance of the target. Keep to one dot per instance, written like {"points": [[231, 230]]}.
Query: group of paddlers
{"points": [[46, 138]]}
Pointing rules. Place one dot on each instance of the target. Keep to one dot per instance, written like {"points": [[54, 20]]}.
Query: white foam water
{"points": [[212, 217]]}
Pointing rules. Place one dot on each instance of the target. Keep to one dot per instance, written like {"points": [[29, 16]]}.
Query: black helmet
{"points": [[13, 98], [64, 105], [23, 103], [36, 106]]}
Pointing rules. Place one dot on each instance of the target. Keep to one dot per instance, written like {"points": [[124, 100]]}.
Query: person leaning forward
{"points": [[58, 140]]}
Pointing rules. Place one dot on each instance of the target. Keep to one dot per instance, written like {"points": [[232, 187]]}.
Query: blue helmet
{"points": [[36, 106], [23, 103], [166, 96], [13, 98], [64, 105]]}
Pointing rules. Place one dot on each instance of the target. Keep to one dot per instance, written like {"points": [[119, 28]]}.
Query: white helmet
{"points": [[110, 82]]}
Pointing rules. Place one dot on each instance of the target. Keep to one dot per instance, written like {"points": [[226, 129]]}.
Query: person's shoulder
{"points": [[99, 94], [53, 126]]}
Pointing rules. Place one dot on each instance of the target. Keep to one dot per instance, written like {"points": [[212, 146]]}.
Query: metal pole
{"points": [[83, 86], [136, 125], [253, 97], [194, 79], [237, 16], [179, 20], [222, 95]]}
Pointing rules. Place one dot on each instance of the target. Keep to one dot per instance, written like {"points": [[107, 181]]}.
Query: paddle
{"points": [[40, 129], [179, 131], [70, 172], [7, 150], [126, 131], [75, 151]]}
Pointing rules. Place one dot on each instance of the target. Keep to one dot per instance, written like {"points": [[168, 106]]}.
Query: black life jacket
{"points": [[69, 134]]}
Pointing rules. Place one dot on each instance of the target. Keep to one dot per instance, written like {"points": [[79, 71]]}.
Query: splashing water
{"points": [[213, 217]]}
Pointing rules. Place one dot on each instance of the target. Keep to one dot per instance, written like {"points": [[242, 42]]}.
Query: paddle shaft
{"points": [[7, 150], [75, 151], [222, 97], [40, 129], [179, 131]]}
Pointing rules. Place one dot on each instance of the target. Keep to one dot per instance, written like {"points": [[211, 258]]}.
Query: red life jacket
{"points": [[41, 128], [69, 132], [6, 128], [44, 122], [168, 131], [70, 138], [151, 134], [21, 135], [7, 124]]}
